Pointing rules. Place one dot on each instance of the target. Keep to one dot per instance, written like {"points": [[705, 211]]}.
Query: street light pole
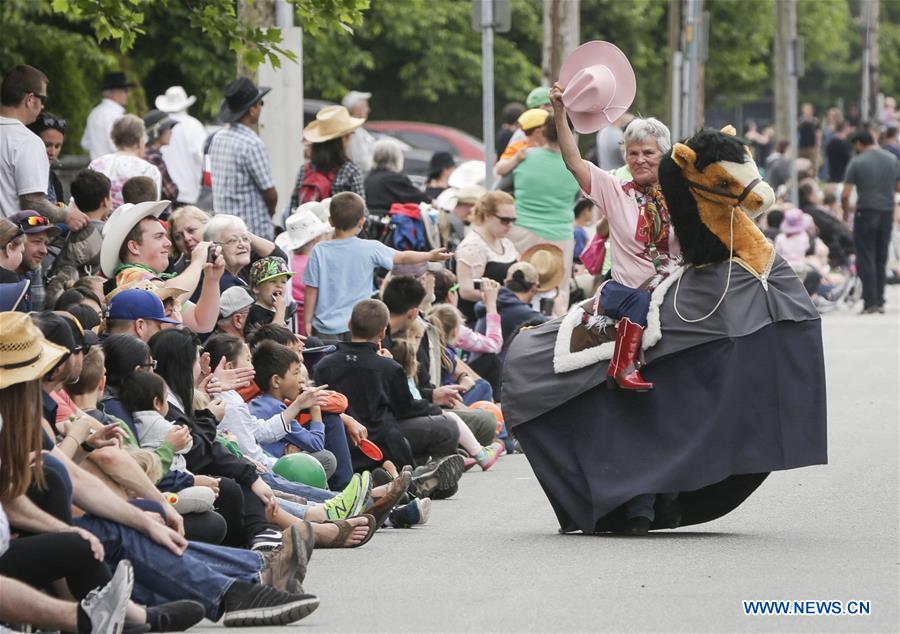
{"points": [[487, 88]]}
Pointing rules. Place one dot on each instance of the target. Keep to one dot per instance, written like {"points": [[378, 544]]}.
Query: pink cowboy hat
{"points": [[598, 85]]}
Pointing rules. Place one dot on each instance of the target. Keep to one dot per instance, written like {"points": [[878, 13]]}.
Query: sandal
{"points": [[345, 528]]}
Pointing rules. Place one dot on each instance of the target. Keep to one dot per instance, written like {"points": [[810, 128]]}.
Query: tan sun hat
{"points": [[163, 292], [549, 262], [331, 122], [24, 353]]}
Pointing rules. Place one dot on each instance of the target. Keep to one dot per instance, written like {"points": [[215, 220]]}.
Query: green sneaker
{"points": [[352, 500]]}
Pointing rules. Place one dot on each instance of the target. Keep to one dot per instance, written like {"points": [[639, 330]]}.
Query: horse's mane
{"points": [[698, 244], [712, 146]]}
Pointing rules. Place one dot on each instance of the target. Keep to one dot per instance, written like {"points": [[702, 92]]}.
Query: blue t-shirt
{"points": [[342, 270]]}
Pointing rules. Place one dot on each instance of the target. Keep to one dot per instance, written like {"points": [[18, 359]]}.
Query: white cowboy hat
{"points": [[466, 174], [319, 208], [175, 99], [598, 85], [300, 228], [117, 226], [331, 122]]}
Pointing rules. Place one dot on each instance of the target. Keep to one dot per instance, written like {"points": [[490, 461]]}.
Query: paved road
{"points": [[490, 560]]}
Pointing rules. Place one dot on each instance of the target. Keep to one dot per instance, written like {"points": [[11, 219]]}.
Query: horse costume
{"points": [[733, 346]]}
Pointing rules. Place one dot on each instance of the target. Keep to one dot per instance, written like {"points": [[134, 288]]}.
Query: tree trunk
{"points": [[259, 13], [562, 33], [785, 33]]}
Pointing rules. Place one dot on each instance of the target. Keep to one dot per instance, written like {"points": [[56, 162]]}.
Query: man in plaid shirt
{"points": [[241, 175]]}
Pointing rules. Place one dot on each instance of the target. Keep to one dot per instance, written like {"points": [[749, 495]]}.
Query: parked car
{"points": [[431, 137], [419, 140]]}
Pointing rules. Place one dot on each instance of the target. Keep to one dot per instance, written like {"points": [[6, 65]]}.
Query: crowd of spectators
{"points": [[199, 386]]}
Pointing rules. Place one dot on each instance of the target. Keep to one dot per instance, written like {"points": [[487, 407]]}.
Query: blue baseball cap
{"points": [[136, 303]]}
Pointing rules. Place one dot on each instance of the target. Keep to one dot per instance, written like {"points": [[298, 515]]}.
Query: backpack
{"points": [[315, 185], [408, 230]]}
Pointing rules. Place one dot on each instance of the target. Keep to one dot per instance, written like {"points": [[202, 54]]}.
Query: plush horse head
{"points": [[706, 180]]}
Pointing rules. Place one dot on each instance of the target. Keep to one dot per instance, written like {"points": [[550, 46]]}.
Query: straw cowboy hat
{"points": [[331, 122], [549, 262], [598, 85], [174, 100], [299, 229], [25, 355], [163, 292], [123, 220]]}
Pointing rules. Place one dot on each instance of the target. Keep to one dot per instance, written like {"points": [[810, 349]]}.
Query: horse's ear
{"points": [[729, 130], [683, 155]]}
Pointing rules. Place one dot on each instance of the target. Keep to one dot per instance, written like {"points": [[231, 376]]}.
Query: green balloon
{"points": [[303, 468]]}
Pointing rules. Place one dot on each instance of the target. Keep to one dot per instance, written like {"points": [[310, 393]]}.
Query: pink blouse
{"points": [[632, 261]]}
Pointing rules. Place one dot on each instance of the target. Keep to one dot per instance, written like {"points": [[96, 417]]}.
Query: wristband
{"points": [[86, 447]]}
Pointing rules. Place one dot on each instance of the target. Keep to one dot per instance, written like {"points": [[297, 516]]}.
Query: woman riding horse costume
{"points": [[733, 346]]}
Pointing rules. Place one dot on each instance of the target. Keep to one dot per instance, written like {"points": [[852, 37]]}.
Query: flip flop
{"points": [[345, 529]]}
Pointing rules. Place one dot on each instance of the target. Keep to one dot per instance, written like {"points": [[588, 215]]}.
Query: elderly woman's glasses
{"points": [[236, 240]]}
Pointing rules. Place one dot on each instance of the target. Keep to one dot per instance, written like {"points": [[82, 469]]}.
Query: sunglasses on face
{"points": [[41, 98], [505, 220], [150, 365], [453, 289]]}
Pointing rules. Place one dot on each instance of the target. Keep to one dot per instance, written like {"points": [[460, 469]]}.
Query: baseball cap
{"points": [[354, 97], [540, 96], [234, 300], [267, 268], [87, 317], [136, 303], [30, 221], [533, 118]]}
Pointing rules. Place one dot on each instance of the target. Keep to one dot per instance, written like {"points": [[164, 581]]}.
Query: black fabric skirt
{"points": [[721, 417]]}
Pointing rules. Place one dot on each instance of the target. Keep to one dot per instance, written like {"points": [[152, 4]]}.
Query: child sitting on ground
{"points": [[268, 281], [278, 376], [404, 353], [145, 395], [340, 271]]}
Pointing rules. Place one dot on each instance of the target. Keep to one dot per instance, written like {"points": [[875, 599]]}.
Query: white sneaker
{"points": [[105, 606]]}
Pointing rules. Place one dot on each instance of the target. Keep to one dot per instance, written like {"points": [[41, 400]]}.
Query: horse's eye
{"points": [[724, 184]]}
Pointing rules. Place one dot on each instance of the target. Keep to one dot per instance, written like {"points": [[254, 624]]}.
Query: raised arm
{"points": [[567, 143]]}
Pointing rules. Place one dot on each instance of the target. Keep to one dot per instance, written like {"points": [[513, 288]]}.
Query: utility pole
{"points": [[562, 32], [693, 57], [789, 67], [869, 100], [673, 90]]}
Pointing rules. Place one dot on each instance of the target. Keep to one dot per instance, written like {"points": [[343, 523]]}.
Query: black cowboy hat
{"points": [[116, 80], [439, 162], [240, 95]]}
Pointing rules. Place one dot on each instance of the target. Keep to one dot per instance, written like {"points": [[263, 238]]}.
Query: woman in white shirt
{"points": [[127, 161]]}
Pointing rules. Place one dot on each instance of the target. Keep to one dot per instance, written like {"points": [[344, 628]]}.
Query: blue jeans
{"points": [[336, 443], [312, 494], [623, 301], [203, 573], [481, 391]]}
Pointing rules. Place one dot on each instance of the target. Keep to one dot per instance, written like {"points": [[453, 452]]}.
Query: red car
{"points": [[431, 137]]}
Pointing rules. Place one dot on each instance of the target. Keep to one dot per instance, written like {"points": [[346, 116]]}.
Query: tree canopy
{"points": [[420, 58]]}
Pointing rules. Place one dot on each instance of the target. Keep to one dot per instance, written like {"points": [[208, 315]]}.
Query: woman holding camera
{"points": [[486, 251]]}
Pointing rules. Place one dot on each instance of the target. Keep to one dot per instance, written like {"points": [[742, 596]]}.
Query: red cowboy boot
{"points": [[623, 370]]}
